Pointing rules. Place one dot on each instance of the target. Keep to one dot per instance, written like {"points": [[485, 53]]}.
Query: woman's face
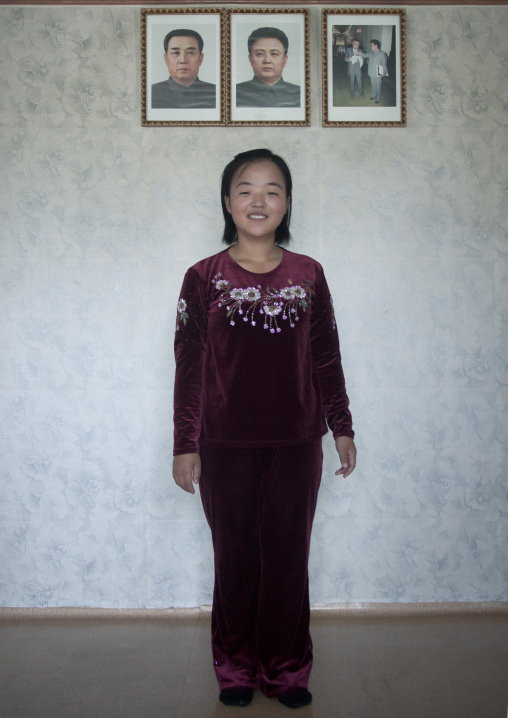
{"points": [[257, 200]]}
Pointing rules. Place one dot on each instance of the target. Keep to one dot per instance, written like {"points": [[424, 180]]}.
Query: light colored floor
{"points": [[59, 663]]}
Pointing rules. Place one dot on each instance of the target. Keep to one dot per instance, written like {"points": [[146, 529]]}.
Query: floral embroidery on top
{"points": [[182, 313], [271, 304]]}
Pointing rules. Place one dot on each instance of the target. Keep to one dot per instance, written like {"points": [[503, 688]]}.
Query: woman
{"points": [[257, 372]]}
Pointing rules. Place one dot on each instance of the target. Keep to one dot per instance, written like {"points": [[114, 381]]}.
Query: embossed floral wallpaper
{"points": [[99, 219]]}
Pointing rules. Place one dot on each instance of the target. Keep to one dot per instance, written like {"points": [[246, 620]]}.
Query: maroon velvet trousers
{"points": [[260, 505]]}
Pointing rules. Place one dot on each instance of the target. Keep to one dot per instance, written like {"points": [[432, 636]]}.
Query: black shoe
{"points": [[296, 698], [371, 98], [363, 97], [377, 102], [236, 696]]}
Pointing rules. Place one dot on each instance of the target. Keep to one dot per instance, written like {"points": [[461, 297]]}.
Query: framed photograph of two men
{"points": [[364, 67], [204, 66]]}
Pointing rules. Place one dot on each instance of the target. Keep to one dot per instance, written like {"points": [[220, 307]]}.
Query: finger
{"points": [[184, 481], [348, 470], [348, 464], [187, 485], [351, 464]]}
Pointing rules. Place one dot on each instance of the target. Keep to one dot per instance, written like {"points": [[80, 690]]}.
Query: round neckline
{"points": [[258, 274]]}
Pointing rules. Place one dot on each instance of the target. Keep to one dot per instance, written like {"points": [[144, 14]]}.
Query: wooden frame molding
{"points": [[234, 3]]}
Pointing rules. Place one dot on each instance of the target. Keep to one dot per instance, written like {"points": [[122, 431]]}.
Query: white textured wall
{"points": [[99, 218]]}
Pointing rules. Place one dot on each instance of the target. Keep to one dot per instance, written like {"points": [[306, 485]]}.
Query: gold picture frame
{"points": [[257, 93], [196, 96], [364, 67]]}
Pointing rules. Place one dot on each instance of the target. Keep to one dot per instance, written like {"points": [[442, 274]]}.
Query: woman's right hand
{"points": [[187, 471]]}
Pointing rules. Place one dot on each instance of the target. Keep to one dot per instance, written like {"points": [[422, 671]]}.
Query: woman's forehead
{"points": [[262, 170]]}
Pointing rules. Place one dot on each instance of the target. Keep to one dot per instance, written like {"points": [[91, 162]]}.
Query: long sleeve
{"points": [[327, 361], [378, 57], [190, 352], [382, 61]]}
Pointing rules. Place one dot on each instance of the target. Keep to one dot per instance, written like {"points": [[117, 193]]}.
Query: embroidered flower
{"points": [[286, 293], [298, 292], [220, 283], [182, 313], [272, 309], [236, 294], [251, 294]]}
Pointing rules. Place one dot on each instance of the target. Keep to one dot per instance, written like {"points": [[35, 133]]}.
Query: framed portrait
{"points": [[267, 67], [364, 67], [181, 67]]}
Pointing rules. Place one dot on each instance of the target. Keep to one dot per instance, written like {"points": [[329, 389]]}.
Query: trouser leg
{"points": [[351, 82], [260, 505], [359, 80], [376, 83], [355, 74], [230, 497], [284, 646]]}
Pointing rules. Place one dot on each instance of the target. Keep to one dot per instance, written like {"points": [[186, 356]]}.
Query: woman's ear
{"points": [[227, 203]]}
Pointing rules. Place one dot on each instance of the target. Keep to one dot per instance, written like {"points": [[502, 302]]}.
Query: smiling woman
{"points": [[257, 203], [258, 377]]}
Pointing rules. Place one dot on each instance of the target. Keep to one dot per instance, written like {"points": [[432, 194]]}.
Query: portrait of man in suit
{"points": [[183, 55], [268, 55], [354, 68], [378, 68]]}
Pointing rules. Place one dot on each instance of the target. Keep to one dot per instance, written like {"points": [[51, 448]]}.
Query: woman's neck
{"points": [[256, 257]]}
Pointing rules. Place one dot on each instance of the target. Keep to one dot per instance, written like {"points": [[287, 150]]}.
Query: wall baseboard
{"points": [[342, 610]]}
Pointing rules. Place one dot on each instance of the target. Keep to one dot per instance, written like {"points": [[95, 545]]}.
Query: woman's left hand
{"points": [[346, 450]]}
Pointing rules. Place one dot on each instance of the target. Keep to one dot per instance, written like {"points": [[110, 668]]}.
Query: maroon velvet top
{"points": [[257, 357]]}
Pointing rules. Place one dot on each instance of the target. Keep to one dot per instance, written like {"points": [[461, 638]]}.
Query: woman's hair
{"points": [[282, 234]]}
